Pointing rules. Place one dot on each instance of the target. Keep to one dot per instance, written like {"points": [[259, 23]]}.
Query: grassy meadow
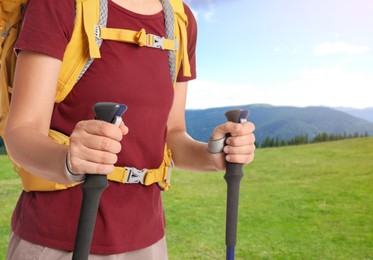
{"points": [[9, 191], [296, 202]]}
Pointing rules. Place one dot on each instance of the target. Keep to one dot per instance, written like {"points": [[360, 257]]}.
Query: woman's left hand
{"points": [[240, 145]]}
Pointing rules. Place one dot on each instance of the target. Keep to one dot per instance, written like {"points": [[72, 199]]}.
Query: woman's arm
{"points": [[93, 144], [193, 155], [26, 132]]}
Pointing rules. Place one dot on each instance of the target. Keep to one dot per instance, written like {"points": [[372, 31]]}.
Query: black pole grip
{"points": [[92, 189], [233, 178]]}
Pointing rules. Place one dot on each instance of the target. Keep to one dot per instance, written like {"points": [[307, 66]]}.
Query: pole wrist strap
{"points": [[69, 174], [216, 146]]}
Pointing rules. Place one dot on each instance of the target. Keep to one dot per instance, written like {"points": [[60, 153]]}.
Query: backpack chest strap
{"points": [[140, 38]]}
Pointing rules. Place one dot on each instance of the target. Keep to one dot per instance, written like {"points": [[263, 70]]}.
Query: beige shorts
{"points": [[20, 249]]}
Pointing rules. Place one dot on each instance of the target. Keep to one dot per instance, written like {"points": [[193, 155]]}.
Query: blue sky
{"points": [[283, 52]]}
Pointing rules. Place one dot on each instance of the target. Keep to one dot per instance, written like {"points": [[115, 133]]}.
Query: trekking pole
{"points": [[233, 176], [93, 187]]}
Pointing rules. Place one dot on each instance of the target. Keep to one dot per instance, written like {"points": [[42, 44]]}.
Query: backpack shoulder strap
{"points": [[10, 25], [83, 46], [89, 14], [181, 23]]}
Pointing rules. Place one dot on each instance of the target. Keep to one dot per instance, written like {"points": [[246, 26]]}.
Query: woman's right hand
{"points": [[94, 145]]}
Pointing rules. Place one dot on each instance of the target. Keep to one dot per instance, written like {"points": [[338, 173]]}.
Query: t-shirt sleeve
{"points": [[192, 41], [47, 27]]}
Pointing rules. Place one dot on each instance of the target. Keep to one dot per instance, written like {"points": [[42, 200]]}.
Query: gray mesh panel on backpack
{"points": [[169, 26], [102, 23]]}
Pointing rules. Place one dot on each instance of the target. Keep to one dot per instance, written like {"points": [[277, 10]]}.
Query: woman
{"points": [[130, 222]]}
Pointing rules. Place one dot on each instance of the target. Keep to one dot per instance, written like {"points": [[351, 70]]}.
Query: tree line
{"points": [[277, 142], [304, 139]]}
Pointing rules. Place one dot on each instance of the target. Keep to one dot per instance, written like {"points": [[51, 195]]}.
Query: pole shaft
{"points": [[230, 253], [92, 189], [233, 176]]}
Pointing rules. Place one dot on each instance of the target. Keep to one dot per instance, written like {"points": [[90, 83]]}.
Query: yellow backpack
{"points": [[89, 31]]}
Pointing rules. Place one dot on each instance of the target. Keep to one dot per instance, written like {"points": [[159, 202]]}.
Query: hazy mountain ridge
{"points": [[282, 121], [364, 113]]}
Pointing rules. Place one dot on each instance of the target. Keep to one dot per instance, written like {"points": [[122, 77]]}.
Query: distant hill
{"points": [[282, 121], [365, 113]]}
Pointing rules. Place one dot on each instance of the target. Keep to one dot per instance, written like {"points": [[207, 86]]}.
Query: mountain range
{"points": [[365, 113], [285, 122]]}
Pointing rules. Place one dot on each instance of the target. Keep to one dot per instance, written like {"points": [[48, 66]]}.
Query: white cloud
{"points": [[332, 86], [299, 50], [206, 94], [327, 48], [204, 9], [209, 15], [200, 3]]}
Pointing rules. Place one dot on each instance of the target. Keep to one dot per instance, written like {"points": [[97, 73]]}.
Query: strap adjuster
{"points": [[98, 31], [165, 184], [154, 41], [135, 175], [158, 42], [169, 170], [6, 32]]}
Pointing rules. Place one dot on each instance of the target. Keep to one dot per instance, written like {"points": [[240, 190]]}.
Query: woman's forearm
{"points": [[37, 153], [190, 154]]}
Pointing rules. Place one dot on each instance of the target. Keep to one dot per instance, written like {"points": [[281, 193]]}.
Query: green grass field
{"points": [[297, 202]]}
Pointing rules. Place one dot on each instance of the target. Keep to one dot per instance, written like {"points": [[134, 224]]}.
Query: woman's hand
{"points": [[94, 145], [240, 145]]}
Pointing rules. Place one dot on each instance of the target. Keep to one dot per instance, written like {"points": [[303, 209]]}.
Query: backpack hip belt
{"points": [[125, 175]]}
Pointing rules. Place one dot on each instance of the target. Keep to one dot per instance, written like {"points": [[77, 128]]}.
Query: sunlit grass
{"points": [[299, 202], [10, 189]]}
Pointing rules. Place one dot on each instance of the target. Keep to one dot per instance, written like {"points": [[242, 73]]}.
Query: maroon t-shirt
{"points": [[130, 216]]}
